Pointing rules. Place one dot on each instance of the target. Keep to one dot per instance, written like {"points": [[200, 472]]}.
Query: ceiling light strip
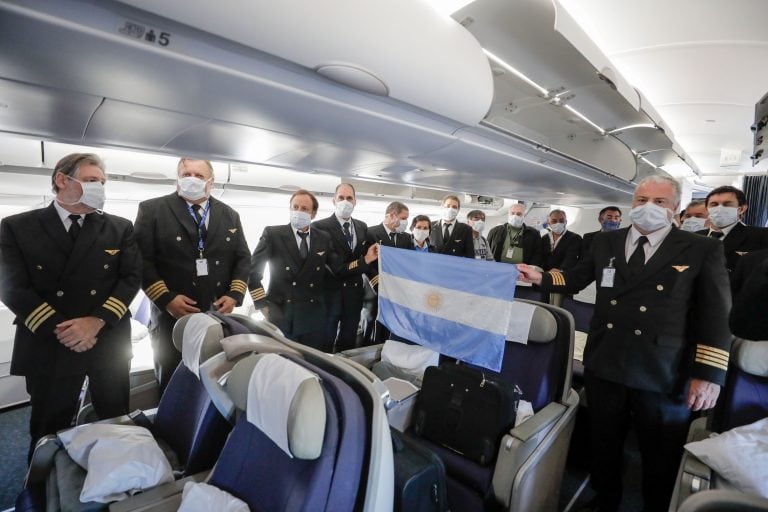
{"points": [[517, 73], [633, 126]]}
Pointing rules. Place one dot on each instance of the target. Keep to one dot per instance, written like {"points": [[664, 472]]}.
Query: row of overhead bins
{"points": [[384, 91]]}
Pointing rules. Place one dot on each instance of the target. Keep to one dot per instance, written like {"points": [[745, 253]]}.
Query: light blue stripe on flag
{"points": [[457, 306]]}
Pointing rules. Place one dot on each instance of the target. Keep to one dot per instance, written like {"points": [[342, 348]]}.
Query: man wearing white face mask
{"points": [[344, 296], [560, 247], [68, 272], [695, 216], [726, 206], [476, 220], [514, 242], [299, 259], [659, 342], [195, 257], [450, 236]]}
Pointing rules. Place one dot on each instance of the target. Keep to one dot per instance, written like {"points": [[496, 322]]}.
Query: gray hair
{"points": [[70, 164], [664, 178], [557, 211]]}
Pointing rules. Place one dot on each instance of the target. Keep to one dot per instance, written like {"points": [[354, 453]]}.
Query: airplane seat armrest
{"points": [[518, 445], [364, 355], [163, 498], [698, 430], [693, 476], [42, 460]]}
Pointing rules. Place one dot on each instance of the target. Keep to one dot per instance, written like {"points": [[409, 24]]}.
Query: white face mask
{"points": [[93, 194], [401, 226], [557, 228], [449, 214], [516, 221], [344, 209], [478, 225], [650, 217], [191, 188], [420, 234], [723, 216], [693, 224], [300, 220]]}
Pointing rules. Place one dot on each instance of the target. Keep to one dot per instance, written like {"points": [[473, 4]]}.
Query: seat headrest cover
{"points": [[752, 356], [201, 339], [543, 326], [239, 344], [283, 400]]}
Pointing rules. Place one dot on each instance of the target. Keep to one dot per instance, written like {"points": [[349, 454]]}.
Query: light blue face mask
{"points": [[300, 220], [611, 225]]}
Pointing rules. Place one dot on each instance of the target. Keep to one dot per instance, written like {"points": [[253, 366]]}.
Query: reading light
{"points": [[517, 73], [585, 118]]}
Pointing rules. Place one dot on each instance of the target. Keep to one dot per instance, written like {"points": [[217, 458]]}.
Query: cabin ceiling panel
{"points": [[643, 138], [44, 112]]}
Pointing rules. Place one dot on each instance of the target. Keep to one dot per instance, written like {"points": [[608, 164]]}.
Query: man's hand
{"points": [[528, 274], [225, 304], [702, 395], [79, 334], [372, 254], [181, 305]]}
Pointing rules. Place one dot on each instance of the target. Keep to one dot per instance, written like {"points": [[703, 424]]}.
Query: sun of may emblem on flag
{"points": [[434, 300]]}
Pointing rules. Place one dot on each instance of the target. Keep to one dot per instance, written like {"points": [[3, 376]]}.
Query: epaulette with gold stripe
{"points": [[39, 315], [258, 294], [558, 279], [375, 281], [238, 286], [353, 265], [116, 306], [156, 289], [712, 356]]}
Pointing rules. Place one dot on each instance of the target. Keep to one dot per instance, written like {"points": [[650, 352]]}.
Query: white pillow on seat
{"points": [[201, 497], [739, 455]]}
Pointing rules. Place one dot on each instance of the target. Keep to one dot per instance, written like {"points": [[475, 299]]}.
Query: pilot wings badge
{"points": [[232, 230], [111, 252], [681, 268]]}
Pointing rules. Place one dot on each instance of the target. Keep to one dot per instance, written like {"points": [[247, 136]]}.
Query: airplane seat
{"points": [[532, 293], [724, 501], [186, 425], [582, 316], [300, 442], [743, 400], [531, 459]]}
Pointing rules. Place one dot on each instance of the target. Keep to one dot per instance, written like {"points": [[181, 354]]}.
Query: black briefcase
{"points": [[465, 410], [419, 477]]}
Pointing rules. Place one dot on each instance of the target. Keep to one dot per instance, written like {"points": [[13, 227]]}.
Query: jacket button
{"points": [[287, 301], [638, 332], [660, 287], [643, 309], [227, 239], [217, 262], [93, 292], [610, 326], [344, 285], [311, 285], [106, 267], [614, 302], [218, 284], [355, 284], [59, 293], [39, 267], [318, 269], [287, 268], [178, 239], [311, 300]]}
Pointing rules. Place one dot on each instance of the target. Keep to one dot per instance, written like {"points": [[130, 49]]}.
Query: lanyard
{"points": [[200, 241]]}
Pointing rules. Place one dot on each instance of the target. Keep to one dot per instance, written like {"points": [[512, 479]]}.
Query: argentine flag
{"points": [[459, 307]]}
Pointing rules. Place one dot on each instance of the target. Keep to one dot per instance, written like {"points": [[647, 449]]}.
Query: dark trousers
{"points": [[343, 319], [54, 400], [661, 424], [284, 317], [166, 356]]}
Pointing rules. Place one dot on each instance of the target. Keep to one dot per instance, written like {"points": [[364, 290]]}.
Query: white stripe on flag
{"points": [[477, 311]]}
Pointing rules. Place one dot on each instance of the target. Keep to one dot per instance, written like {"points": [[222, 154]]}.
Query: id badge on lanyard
{"points": [[201, 263], [609, 273]]}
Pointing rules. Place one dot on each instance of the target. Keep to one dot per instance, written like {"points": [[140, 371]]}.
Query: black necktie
{"points": [[347, 234], [393, 237], [198, 217], [637, 260], [74, 228], [446, 234], [303, 248], [716, 234]]}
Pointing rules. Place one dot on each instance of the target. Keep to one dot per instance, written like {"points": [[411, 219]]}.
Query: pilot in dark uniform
{"points": [[450, 236], [68, 272], [726, 206], [195, 258], [299, 259], [344, 295], [560, 248], [392, 233], [658, 342]]}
